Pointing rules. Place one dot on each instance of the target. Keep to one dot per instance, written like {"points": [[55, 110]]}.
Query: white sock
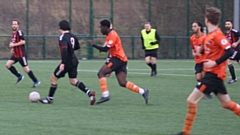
{"points": [[105, 94], [141, 91]]}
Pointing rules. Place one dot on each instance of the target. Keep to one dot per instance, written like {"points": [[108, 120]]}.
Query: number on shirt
{"points": [[72, 40]]}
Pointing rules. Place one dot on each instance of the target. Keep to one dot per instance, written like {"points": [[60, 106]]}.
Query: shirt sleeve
{"points": [[21, 35], [77, 44], [157, 37], [223, 42], [110, 41], [191, 43]]}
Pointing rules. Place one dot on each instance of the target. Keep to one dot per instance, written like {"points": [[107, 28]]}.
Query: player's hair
{"points": [[229, 21], [16, 21], [200, 25], [213, 15], [64, 25], [147, 23], [105, 23]]}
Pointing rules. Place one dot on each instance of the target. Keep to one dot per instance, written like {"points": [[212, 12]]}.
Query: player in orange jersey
{"points": [[217, 50], [196, 41], [117, 62]]}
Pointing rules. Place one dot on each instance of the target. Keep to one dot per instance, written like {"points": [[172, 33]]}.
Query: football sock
{"points": [[14, 71], [233, 107], [103, 86], [232, 71], [131, 86], [154, 68], [191, 114], [31, 75], [52, 90], [150, 65], [82, 87]]}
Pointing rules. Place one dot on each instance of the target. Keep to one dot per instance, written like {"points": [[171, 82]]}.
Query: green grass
{"points": [[126, 112]]}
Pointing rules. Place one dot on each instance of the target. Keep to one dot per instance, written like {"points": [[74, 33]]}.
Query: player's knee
{"points": [[8, 66], [53, 79], [122, 83], [101, 74]]}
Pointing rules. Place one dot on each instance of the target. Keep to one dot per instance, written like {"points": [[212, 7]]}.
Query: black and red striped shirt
{"points": [[19, 51]]}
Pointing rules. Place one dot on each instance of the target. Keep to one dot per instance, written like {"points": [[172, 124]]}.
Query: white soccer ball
{"points": [[34, 96]]}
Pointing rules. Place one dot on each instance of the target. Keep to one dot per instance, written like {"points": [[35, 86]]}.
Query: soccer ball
{"points": [[34, 96]]}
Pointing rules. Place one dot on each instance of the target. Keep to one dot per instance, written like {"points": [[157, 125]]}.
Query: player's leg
{"points": [[105, 69], [24, 63], [199, 74], [225, 100], [72, 73], [154, 62], [203, 88], [121, 77], [107, 59], [13, 70], [148, 61], [232, 71], [57, 74]]}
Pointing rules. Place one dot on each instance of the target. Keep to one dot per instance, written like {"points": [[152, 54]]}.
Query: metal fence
{"points": [[171, 18], [43, 47]]}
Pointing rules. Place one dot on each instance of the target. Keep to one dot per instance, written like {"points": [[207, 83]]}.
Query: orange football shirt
{"points": [[197, 42], [215, 45], [113, 41]]}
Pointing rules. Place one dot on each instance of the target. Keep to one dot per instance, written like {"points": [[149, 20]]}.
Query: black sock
{"points": [[82, 87], [232, 72], [150, 65], [14, 71], [52, 90], [154, 68], [31, 75]]}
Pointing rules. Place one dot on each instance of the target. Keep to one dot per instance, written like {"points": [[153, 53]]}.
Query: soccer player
{"points": [[68, 43], [19, 55], [217, 50], [233, 37], [117, 63], [150, 43], [196, 41]]}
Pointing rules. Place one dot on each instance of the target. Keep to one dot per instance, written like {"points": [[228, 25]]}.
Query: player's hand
{"points": [[61, 68], [12, 51], [209, 63], [152, 43], [11, 44], [91, 42], [234, 45]]}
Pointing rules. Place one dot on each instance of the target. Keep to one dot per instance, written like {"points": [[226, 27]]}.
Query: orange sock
{"points": [[233, 107], [191, 114], [131, 86], [103, 84]]}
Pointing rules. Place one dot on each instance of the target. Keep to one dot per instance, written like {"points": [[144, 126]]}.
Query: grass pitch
{"points": [[125, 114]]}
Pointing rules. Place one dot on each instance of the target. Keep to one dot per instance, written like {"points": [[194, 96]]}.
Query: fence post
{"points": [[175, 47], [44, 47], [133, 46], [27, 23], [70, 12]]}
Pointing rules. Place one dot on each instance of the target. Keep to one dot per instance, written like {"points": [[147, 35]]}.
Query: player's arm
{"points": [[100, 48], [236, 35], [64, 47], [158, 39], [143, 47], [76, 44], [228, 52]]}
